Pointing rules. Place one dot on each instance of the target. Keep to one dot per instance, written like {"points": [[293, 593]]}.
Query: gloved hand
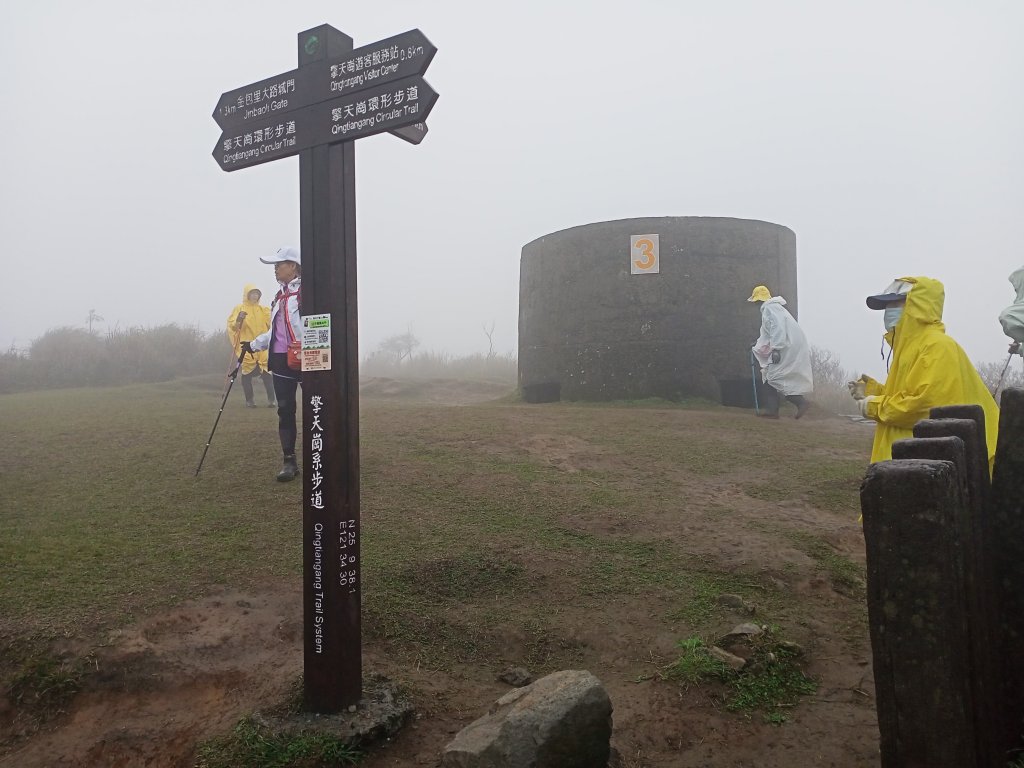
{"points": [[776, 356], [1014, 348], [863, 405], [247, 348], [857, 389]]}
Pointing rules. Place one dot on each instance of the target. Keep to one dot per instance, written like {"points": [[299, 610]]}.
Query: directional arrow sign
{"points": [[375, 110], [404, 55], [273, 139], [412, 133], [386, 107], [259, 103], [370, 66]]}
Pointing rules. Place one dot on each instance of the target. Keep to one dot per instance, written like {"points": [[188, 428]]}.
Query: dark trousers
{"points": [[285, 383], [268, 384], [770, 399]]}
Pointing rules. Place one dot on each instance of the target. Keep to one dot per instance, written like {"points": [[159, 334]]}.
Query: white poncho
{"points": [[780, 332]]}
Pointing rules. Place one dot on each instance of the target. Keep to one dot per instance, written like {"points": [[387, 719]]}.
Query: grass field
{"points": [[492, 532]]}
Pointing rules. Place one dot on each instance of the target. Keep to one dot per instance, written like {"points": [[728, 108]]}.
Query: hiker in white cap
{"points": [[284, 342]]}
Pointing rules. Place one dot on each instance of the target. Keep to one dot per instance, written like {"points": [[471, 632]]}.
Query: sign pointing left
{"points": [[256, 102], [391, 106]]}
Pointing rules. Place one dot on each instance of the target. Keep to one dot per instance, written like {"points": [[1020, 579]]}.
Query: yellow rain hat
{"points": [[761, 293]]}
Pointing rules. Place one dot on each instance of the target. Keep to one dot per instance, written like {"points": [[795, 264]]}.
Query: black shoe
{"points": [[289, 471]]}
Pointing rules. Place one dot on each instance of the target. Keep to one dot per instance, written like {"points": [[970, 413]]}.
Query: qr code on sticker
{"points": [[323, 336]]}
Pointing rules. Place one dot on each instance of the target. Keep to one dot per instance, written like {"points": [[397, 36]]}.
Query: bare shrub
{"points": [[830, 392], [1008, 373], [399, 347]]}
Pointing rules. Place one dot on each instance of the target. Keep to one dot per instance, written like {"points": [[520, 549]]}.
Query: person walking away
{"points": [[285, 328], [247, 321], [929, 369], [783, 354], [1012, 318]]}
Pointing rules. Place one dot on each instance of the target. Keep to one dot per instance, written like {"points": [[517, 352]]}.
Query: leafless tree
{"points": [[400, 346], [999, 376], [489, 332], [93, 317], [827, 370]]}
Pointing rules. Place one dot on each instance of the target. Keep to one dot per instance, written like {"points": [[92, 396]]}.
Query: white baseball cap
{"points": [[288, 253]]}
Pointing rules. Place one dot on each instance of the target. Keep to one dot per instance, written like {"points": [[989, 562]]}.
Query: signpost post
{"points": [[337, 94]]}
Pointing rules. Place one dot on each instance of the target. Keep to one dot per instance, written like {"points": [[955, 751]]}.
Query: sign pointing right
{"points": [[412, 133], [370, 66]]}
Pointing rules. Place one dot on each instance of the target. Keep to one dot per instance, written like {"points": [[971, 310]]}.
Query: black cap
{"points": [[895, 291]]}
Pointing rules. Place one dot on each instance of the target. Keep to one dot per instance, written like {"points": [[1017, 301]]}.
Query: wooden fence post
{"points": [[1007, 516], [918, 614], [977, 577]]}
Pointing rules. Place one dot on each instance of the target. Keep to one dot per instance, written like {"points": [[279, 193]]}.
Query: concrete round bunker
{"points": [[590, 329]]}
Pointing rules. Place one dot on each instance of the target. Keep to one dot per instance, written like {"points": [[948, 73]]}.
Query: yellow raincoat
{"points": [[257, 321], [929, 369]]}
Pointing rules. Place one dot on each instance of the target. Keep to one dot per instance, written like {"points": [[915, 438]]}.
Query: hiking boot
{"points": [[289, 470], [802, 409]]}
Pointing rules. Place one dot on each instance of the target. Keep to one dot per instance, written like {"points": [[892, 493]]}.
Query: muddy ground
{"points": [[160, 686]]}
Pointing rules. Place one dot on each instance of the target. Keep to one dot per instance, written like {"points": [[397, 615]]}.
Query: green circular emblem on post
{"points": [[312, 45]]}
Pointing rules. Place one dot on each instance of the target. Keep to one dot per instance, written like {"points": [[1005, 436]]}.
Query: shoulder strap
{"points": [[282, 295]]}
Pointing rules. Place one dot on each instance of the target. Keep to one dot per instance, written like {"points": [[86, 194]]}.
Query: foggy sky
{"points": [[887, 135]]}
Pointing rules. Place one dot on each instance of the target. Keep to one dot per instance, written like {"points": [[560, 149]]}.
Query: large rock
{"points": [[563, 720]]}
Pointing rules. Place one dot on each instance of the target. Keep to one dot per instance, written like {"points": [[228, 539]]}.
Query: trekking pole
{"points": [[231, 381], [753, 380], [999, 384]]}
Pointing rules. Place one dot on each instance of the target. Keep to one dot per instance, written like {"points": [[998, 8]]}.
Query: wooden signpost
{"points": [[336, 95]]}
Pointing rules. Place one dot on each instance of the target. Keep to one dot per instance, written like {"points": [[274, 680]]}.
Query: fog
{"points": [[886, 135]]}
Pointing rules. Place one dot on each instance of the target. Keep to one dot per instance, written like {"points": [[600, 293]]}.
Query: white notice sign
{"points": [[643, 254], [316, 342]]}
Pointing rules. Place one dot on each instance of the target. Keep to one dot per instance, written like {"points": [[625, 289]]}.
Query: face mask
{"points": [[891, 316]]}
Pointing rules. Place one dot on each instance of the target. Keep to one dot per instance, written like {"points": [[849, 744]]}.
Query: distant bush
{"points": [[73, 357], [441, 365], [65, 357], [14, 373]]}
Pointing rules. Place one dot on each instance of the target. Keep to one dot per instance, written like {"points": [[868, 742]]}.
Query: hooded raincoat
{"points": [[928, 369], [257, 321], [780, 332], [1012, 318]]}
